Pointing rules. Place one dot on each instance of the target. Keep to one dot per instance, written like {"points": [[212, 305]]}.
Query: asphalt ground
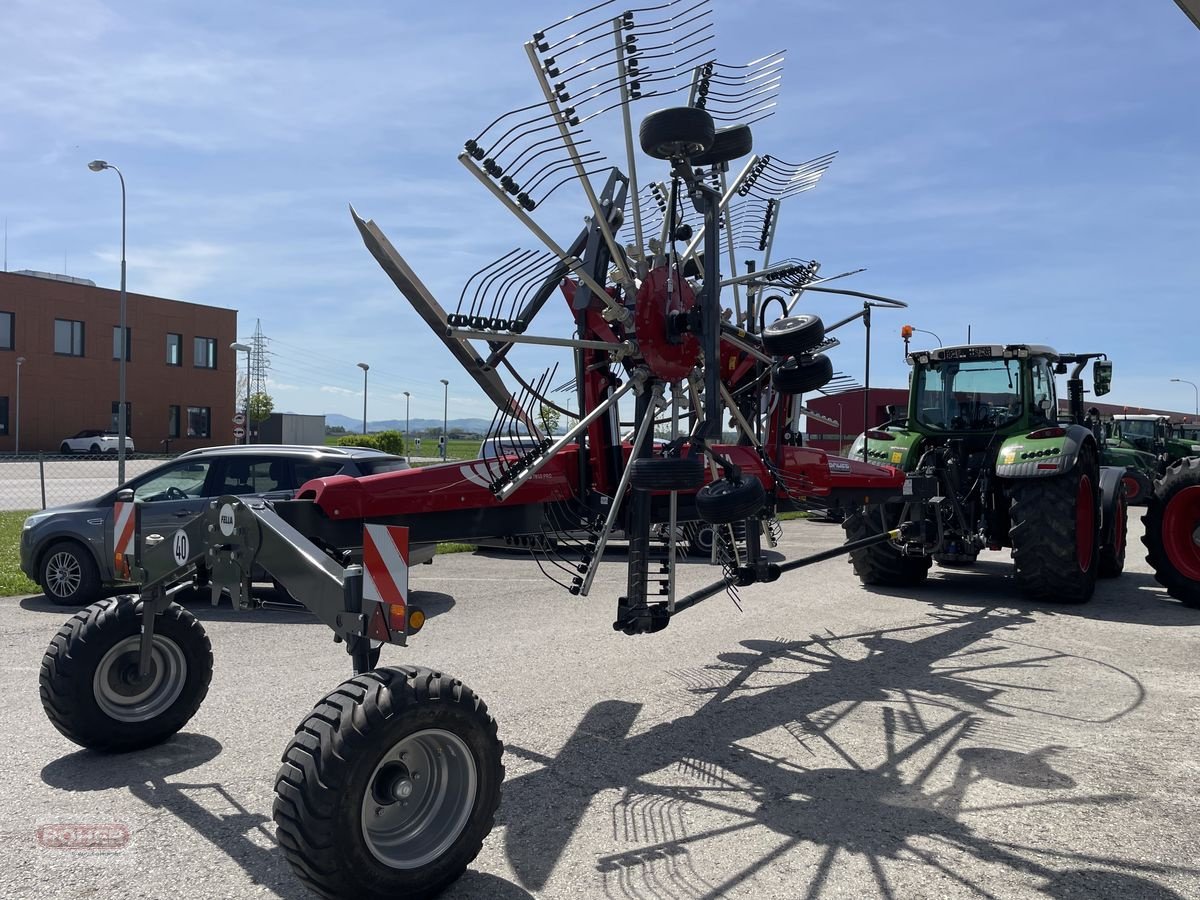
{"points": [[824, 741]]}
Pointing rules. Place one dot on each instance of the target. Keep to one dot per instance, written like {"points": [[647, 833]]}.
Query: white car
{"points": [[94, 440]]}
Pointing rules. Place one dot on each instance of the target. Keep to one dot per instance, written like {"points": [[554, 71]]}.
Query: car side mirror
{"points": [[1102, 377]]}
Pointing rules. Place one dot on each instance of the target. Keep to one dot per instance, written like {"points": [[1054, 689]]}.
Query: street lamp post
{"points": [[99, 165], [364, 367], [445, 415], [243, 348], [1195, 390], [17, 423], [407, 444]]}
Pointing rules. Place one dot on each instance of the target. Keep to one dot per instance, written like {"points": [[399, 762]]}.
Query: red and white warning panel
{"points": [[385, 581], [124, 520]]}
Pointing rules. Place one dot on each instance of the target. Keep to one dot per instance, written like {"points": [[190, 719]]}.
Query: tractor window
{"points": [[1138, 428], [974, 395]]}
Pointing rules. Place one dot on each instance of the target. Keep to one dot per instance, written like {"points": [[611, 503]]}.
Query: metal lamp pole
{"points": [[1195, 389], [17, 431], [99, 165], [407, 444], [236, 347], [364, 367], [445, 415]]}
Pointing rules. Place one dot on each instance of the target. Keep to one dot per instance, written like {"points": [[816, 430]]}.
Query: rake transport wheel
{"points": [[667, 473], [802, 376], [89, 678], [676, 132], [1112, 549], [389, 786], [1172, 536], [793, 335], [882, 564], [1055, 532], [724, 501], [728, 144]]}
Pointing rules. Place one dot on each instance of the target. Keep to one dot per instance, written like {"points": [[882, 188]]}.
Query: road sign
{"points": [[417, 443], [239, 419], [239, 433]]}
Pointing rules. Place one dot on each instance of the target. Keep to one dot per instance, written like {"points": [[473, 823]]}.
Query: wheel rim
{"points": [[419, 799], [1119, 536], [64, 574], [1181, 532], [122, 696], [1085, 519], [1132, 488]]}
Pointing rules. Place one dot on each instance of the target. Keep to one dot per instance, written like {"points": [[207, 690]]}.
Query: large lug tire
{"points": [[677, 133], [68, 574], [723, 501], [1112, 551], [882, 564], [667, 473], [389, 786], [728, 144], [793, 335], [1055, 533], [798, 376], [1172, 536], [89, 684], [1138, 487]]}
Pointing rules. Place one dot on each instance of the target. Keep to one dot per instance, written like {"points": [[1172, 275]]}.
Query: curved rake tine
{"points": [[553, 167], [504, 277], [518, 282], [570, 178], [500, 118], [480, 273], [541, 395], [541, 34], [514, 170], [643, 29]]}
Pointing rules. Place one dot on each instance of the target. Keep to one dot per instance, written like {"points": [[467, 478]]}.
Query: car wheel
{"points": [[65, 449], [95, 448], [68, 575]]}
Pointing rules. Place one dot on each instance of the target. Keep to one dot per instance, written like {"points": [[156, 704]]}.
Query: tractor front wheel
{"points": [[882, 564], [1055, 533], [389, 786], [1173, 531]]}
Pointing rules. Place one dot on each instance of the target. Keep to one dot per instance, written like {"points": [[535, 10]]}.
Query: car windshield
{"points": [[971, 395]]}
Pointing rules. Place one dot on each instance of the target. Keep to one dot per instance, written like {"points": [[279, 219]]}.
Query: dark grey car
{"points": [[68, 550]]}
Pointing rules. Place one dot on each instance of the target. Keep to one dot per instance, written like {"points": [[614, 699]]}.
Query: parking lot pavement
{"points": [[825, 741]]}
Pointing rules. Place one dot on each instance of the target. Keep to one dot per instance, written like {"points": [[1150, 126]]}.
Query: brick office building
{"points": [[180, 372]]}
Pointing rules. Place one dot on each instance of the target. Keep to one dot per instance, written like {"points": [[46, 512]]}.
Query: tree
{"points": [[261, 406], [548, 418]]}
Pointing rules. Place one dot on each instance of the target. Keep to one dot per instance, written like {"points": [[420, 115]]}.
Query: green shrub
{"points": [[387, 441]]}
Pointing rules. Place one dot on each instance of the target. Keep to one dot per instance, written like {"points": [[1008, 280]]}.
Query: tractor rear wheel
{"points": [[1055, 532], [882, 564], [389, 786], [1172, 536]]}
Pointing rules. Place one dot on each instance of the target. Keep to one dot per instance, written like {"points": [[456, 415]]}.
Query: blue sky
{"points": [[1028, 169]]}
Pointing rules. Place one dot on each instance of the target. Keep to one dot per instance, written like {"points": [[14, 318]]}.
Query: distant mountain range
{"points": [[354, 426]]}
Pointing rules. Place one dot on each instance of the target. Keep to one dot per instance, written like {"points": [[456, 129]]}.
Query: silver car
{"points": [[68, 550]]}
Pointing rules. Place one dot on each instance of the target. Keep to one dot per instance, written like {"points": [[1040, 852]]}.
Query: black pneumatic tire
{"points": [[84, 680], [1172, 520], [882, 564], [1046, 547], [798, 376], [64, 448], [793, 335], [724, 501], [728, 144], [1112, 551], [676, 132], [326, 787], [667, 473], [68, 574]]}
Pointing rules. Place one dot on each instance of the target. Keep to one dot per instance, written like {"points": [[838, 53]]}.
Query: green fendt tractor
{"points": [[990, 464], [1141, 467], [1155, 435]]}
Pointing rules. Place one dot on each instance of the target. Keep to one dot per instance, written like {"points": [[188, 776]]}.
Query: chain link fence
{"points": [[41, 480]]}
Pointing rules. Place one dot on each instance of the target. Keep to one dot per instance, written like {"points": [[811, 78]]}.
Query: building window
{"points": [[205, 352], [199, 424], [172, 421], [68, 337], [117, 342], [4, 415], [174, 350], [116, 426], [6, 330]]}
